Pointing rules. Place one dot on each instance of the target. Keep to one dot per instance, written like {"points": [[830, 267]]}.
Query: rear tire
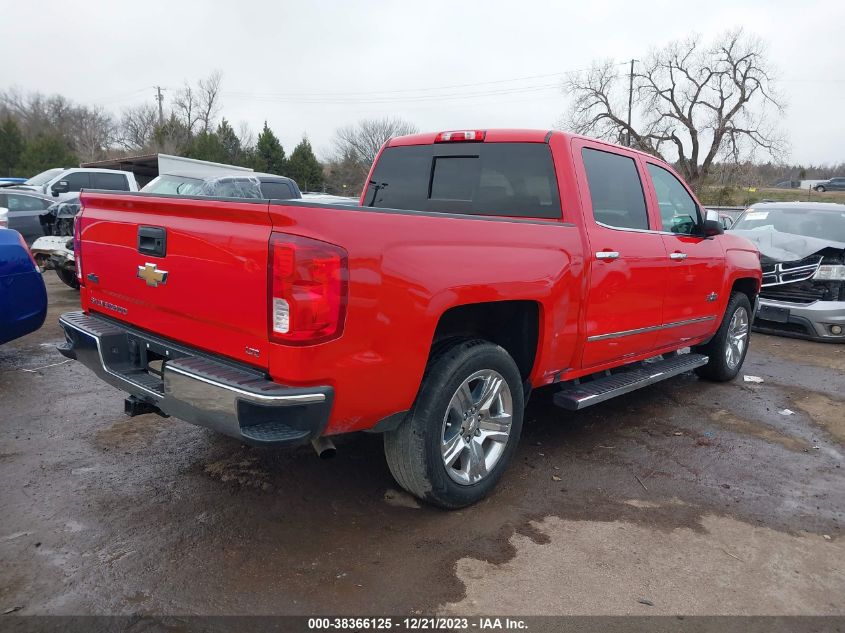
{"points": [[728, 348], [463, 428], [68, 277]]}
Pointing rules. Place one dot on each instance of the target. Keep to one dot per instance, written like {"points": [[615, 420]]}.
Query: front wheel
{"points": [[464, 426], [728, 348], [820, 189]]}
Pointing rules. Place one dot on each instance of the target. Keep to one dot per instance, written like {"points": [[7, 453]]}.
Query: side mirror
{"points": [[712, 225], [60, 187]]}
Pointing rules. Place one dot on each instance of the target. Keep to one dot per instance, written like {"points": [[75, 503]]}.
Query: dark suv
{"points": [[834, 184]]}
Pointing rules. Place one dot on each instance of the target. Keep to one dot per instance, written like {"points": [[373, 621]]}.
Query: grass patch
{"points": [[742, 197]]}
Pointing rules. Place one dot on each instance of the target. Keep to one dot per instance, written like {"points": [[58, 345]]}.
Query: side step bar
{"points": [[578, 396]]}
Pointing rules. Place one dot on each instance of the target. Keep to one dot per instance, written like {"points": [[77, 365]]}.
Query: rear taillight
{"points": [[307, 290], [77, 248], [462, 135]]}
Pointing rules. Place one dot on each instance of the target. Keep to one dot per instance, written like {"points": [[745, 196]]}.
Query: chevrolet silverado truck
{"points": [[479, 265]]}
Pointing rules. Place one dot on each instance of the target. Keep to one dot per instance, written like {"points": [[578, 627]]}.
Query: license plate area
{"points": [[149, 356], [773, 313]]}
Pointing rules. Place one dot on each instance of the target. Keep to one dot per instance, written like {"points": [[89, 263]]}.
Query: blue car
{"points": [[23, 296]]}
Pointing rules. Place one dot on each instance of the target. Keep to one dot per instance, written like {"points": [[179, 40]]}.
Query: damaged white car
{"points": [[802, 252]]}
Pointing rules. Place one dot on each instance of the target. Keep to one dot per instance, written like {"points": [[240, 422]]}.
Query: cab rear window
{"points": [[506, 179]]}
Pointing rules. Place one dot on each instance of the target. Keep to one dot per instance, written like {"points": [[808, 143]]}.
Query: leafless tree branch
{"points": [[692, 103]]}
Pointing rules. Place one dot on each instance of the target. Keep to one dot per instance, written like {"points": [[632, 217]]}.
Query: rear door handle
{"points": [[678, 256], [607, 255]]}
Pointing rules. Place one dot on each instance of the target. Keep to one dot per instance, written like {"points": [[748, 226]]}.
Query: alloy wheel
{"points": [[476, 427], [737, 337]]}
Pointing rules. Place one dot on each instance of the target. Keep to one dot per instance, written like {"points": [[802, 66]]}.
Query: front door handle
{"points": [[607, 255], [678, 256]]}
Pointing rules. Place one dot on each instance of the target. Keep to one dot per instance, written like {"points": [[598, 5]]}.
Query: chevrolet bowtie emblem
{"points": [[151, 275]]}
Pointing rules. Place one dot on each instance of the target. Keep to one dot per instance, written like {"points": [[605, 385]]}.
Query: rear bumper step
{"points": [[233, 400], [579, 396]]}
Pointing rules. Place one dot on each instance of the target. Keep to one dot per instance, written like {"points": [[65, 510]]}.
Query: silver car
{"points": [[25, 209], [802, 252]]}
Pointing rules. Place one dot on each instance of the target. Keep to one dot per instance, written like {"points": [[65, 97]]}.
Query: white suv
{"points": [[62, 183]]}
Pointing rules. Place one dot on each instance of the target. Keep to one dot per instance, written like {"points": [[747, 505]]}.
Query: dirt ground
{"points": [[687, 498]]}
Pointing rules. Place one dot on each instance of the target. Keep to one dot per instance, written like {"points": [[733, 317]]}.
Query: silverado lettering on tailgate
{"points": [[108, 306]]}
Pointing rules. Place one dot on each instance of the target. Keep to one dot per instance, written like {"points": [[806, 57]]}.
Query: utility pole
{"points": [[160, 99], [630, 102]]}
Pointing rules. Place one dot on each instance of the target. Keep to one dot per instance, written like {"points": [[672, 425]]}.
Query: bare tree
{"points": [[92, 133], [39, 114], [693, 105], [362, 141], [208, 100], [196, 108], [245, 135], [87, 131], [185, 107], [138, 127]]}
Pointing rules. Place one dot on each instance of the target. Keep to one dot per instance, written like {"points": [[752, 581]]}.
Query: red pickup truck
{"points": [[478, 266]]}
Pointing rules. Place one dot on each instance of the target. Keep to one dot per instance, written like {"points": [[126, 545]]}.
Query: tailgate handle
{"points": [[152, 240]]}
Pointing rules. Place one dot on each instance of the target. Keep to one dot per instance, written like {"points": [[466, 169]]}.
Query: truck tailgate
{"points": [[206, 286]]}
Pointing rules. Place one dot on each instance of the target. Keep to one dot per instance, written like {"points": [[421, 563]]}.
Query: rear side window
{"points": [[615, 190], [114, 182], [276, 191], [505, 179]]}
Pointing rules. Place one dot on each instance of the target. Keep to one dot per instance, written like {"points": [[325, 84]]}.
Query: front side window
{"points": [[615, 190], [678, 211], [77, 181]]}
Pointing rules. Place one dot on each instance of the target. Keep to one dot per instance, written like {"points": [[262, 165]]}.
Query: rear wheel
{"points": [[68, 277], [727, 349], [463, 429]]}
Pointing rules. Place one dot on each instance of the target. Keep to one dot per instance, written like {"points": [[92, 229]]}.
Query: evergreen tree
{"points": [[269, 154], [207, 146], [172, 137], [304, 167], [11, 146], [44, 152], [230, 143]]}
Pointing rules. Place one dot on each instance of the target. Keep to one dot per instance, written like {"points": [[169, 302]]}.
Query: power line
{"points": [[397, 99], [377, 93]]}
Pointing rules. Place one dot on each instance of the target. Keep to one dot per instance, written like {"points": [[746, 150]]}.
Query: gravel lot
{"points": [[686, 497]]}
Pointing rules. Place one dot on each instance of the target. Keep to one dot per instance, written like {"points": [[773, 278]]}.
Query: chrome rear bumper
{"points": [[198, 388]]}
